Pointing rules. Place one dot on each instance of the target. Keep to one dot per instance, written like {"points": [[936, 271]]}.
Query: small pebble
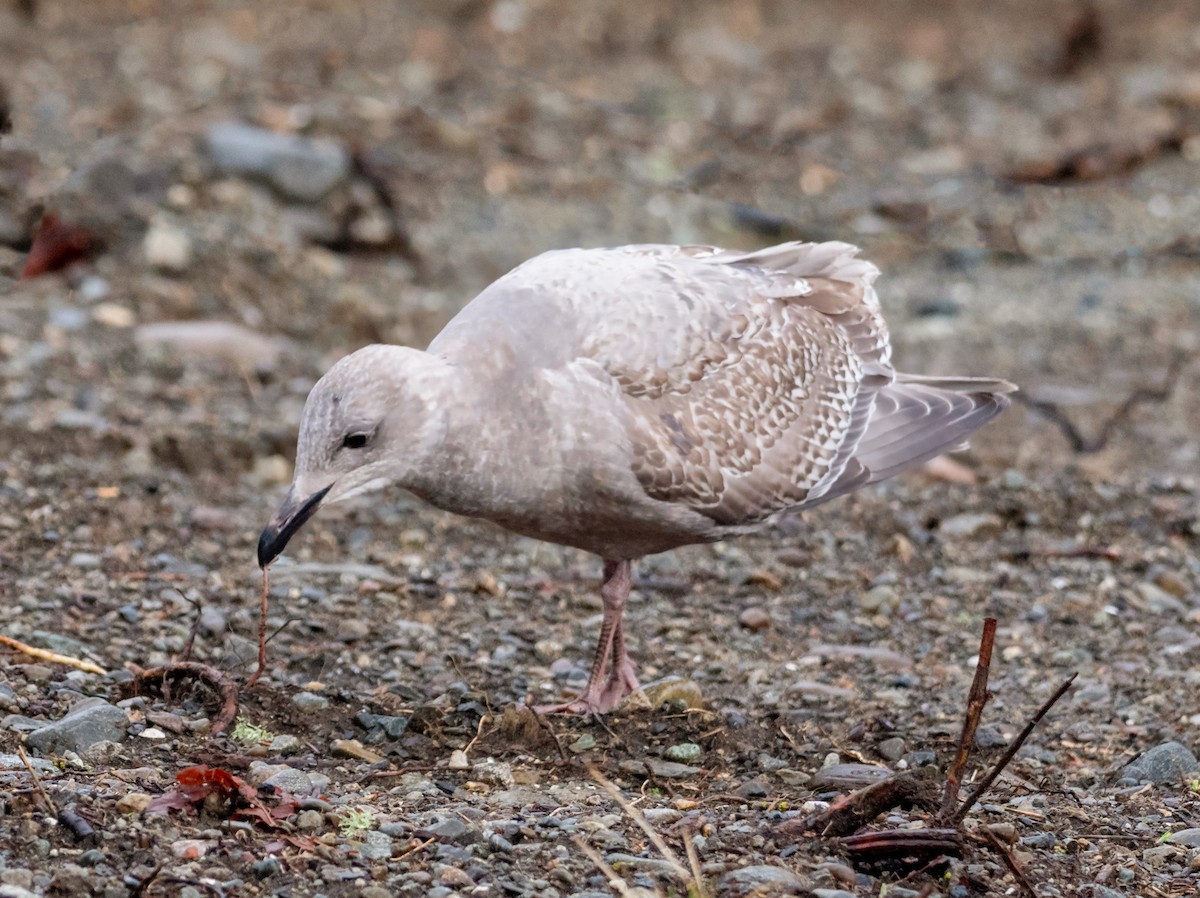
{"points": [[684, 752], [755, 618], [891, 749], [586, 742], [309, 701]]}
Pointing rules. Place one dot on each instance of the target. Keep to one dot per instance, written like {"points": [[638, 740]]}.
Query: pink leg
{"points": [[601, 695]]}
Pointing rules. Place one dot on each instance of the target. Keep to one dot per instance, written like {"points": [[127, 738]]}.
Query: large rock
{"points": [[89, 722], [1168, 763]]}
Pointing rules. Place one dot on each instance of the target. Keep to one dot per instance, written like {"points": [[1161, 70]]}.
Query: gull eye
{"points": [[355, 440]]}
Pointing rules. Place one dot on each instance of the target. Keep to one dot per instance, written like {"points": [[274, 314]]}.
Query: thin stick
{"points": [[414, 849], [51, 807], [1141, 396], [191, 640], [1010, 753], [639, 818], [545, 725], [53, 657], [1010, 862], [144, 883], [262, 632], [976, 699], [693, 858], [615, 882]]}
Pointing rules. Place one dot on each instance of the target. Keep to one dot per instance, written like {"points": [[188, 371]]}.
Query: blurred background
{"points": [[232, 196]]}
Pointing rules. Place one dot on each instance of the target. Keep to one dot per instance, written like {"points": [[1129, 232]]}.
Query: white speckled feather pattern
{"points": [[627, 401], [730, 385]]}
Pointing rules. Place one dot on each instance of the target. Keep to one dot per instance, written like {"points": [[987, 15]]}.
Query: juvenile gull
{"points": [[628, 401]]}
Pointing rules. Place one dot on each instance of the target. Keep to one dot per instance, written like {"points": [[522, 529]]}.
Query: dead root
{"points": [[161, 680]]}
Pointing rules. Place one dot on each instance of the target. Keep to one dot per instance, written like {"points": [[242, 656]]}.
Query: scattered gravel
{"points": [[266, 194]]}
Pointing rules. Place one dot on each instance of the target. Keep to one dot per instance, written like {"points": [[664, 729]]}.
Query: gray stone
{"points": [[310, 820], [285, 744], [310, 701], [299, 168], [21, 723], [684, 752], [1160, 855], [167, 247], [662, 769], [892, 749], [1189, 837], [1159, 601], [760, 880], [289, 779], [832, 893], [450, 829], [14, 762], [497, 773], [648, 864], [848, 776], [374, 845], [882, 599], [586, 742], [80, 729], [1169, 762]]}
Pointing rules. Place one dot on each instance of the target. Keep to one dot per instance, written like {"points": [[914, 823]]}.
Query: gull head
{"points": [[362, 423]]}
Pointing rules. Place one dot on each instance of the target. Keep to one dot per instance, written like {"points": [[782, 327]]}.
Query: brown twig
{"points": [[187, 646], [545, 725], [53, 657], [47, 801], [1141, 396], [976, 699], [874, 847], [159, 678], [640, 819], [262, 631], [145, 881], [1011, 751], [851, 812], [415, 849], [1009, 861], [615, 882]]}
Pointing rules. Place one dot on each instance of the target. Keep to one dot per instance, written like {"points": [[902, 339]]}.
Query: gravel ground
{"points": [[265, 189]]}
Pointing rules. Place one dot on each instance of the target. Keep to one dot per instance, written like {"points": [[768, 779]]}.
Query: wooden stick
{"points": [[53, 657], [615, 882], [47, 801], [651, 833], [976, 699], [262, 632], [1010, 862], [1010, 753], [850, 813]]}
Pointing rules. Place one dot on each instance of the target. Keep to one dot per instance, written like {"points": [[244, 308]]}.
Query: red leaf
{"points": [[170, 801], [56, 244]]}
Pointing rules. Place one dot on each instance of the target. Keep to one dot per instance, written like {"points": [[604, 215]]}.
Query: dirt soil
{"points": [[1026, 174]]}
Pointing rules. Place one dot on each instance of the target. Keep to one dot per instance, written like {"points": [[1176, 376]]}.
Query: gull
{"points": [[631, 400]]}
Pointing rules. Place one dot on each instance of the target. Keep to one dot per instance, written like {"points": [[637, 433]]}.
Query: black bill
{"points": [[291, 517]]}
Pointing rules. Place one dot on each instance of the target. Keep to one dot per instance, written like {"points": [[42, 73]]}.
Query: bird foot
{"points": [[622, 683]]}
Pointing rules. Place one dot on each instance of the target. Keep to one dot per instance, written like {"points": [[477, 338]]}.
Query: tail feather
{"points": [[918, 418]]}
